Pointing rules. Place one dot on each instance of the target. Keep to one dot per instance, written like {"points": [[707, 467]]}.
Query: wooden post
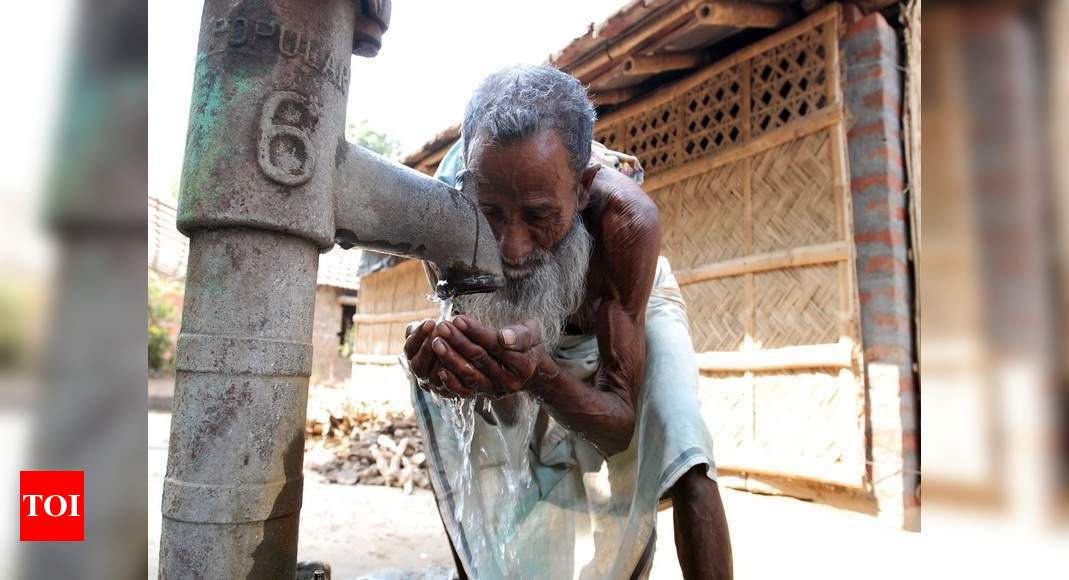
{"points": [[607, 98], [750, 300], [588, 69], [741, 14], [647, 65]]}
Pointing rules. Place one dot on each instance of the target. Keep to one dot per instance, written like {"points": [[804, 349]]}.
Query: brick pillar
{"points": [[873, 95]]}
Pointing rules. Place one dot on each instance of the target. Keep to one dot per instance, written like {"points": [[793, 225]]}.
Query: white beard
{"points": [[549, 288]]}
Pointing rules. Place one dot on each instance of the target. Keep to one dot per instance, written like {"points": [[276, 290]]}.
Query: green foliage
{"points": [[162, 316], [12, 327], [363, 135], [159, 346], [346, 348]]}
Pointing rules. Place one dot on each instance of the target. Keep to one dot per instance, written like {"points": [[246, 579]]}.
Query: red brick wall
{"points": [[873, 93]]}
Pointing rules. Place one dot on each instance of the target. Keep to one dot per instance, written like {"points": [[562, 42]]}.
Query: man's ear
{"points": [[586, 181]]}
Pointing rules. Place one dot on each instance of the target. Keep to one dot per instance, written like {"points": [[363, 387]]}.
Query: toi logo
{"points": [[51, 506]]}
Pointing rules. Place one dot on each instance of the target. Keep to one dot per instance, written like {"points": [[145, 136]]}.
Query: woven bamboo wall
{"points": [[746, 162], [389, 300]]}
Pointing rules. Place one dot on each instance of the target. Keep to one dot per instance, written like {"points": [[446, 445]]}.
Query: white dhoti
{"points": [[532, 500]]}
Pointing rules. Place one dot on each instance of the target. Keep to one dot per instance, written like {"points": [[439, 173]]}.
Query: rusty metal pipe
{"points": [[269, 182]]}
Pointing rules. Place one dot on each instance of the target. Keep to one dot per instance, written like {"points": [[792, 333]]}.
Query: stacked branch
{"points": [[366, 444]]}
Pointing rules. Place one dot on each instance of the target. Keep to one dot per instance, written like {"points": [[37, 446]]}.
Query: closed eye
{"points": [[539, 213]]}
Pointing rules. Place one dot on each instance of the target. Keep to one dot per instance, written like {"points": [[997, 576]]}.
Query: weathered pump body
{"points": [[268, 183]]}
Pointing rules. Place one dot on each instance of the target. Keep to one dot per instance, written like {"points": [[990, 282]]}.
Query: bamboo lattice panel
{"points": [[803, 423], [793, 197], [712, 224], [749, 173], [729, 104], [789, 81], [796, 306], [717, 312], [727, 407], [667, 200]]}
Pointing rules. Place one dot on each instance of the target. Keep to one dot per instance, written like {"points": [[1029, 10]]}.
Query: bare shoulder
{"points": [[628, 212], [630, 232], [628, 215]]}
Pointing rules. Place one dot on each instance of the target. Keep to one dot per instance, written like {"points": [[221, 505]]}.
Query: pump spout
{"points": [[384, 206]]}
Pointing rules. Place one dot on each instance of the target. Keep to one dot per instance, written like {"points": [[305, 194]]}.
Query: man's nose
{"points": [[515, 245]]}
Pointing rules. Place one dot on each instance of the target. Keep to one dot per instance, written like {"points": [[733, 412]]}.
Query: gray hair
{"points": [[518, 101]]}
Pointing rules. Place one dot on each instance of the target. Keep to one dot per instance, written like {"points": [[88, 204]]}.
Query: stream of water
{"points": [[484, 503]]}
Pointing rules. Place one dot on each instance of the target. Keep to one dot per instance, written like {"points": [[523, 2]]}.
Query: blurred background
{"points": [[992, 280], [97, 105]]}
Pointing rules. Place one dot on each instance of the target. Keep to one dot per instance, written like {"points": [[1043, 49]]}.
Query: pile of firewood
{"points": [[366, 444]]}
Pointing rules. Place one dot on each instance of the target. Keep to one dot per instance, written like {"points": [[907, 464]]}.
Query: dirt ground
{"points": [[377, 533], [358, 530]]}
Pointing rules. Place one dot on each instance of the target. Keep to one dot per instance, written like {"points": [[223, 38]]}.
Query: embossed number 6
{"points": [[285, 151]]}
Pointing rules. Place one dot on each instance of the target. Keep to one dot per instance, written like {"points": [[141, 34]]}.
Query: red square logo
{"points": [[51, 506]]}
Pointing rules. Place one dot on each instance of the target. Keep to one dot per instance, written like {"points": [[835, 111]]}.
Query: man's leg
{"points": [[701, 528]]}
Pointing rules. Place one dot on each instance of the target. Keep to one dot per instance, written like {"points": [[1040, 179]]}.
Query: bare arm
{"points": [[628, 247]]}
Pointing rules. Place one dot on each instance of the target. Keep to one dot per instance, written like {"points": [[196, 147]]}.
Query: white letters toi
{"points": [[54, 505]]}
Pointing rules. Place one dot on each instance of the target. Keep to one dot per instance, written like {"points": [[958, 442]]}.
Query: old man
{"points": [[561, 410]]}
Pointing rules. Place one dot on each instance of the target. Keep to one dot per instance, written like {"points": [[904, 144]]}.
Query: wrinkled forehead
{"points": [[538, 163]]}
